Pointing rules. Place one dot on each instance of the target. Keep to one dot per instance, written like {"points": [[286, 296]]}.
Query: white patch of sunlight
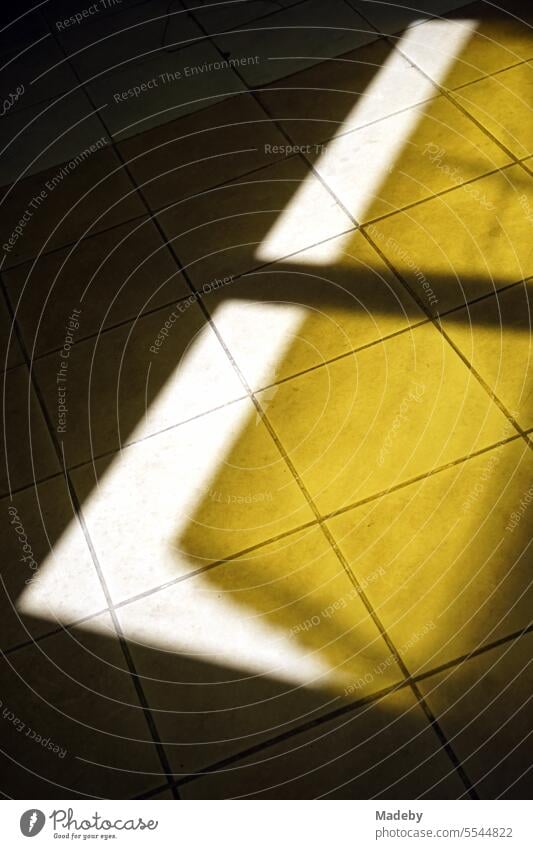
{"points": [[369, 171], [150, 491]]}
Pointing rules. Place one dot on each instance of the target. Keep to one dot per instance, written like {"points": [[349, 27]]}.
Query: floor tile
{"points": [[219, 233], [93, 196], [122, 385], [442, 596], [111, 277], [384, 750], [42, 534], [482, 706], [175, 84], [334, 421], [464, 244], [501, 39], [253, 647], [441, 149], [135, 33], [48, 134], [198, 151], [216, 17], [10, 353], [77, 728], [189, 496], [345, 93], [499, 104], [391, 18], [25, 439], [495, 336], [295, 38], [316, 314]]}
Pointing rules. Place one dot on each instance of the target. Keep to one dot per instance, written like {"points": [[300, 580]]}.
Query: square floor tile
{"points": [[345, 93], [163, 87], [501, 104], [198, 151], [77, 728], [27, 451], [187, 497], [135, 380], [465, 243], [48, 134], [93, 196], [242, 225], [412, 392], [383, 750], [48, 576], [111, 277], [483, 708], [253, 647], [295, 38], [293, 316], [454, 578], [501, 38], [495, 336], [434, 148]]}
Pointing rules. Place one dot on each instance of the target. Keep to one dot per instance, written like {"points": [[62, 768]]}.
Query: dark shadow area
{"points": [[75, 689]]}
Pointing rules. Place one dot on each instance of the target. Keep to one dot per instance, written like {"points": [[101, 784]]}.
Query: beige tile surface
{"points": [[344, 93], [314, 313], [385, 750], [295, 38], [465, 243], [73, 692], [111, 277], [176, 84], [239, 629], [47, 134], [454, 577], [214, 145], [220, 233], [495, 336], [118, 389], [442, 149], [501, 104], [483, 707], [49, 577], [187, 497], [502, 38], [96, 195], [391, 18], [380, 417]]}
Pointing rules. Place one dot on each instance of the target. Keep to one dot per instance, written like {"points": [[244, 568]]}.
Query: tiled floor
{"points": [[267, 401]]}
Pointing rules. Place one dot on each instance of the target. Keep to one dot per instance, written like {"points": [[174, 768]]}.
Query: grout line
{"points": [[345, 709], [325, 530], [135, 678], [76, 507], [423, 306], [420, 700], [271, 540]]}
